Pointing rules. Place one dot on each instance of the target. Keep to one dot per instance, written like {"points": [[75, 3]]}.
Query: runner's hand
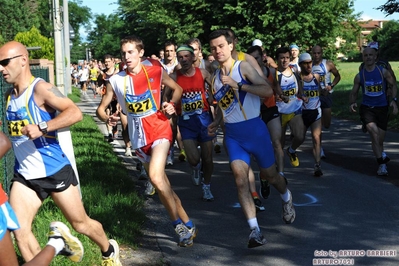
{"points": [[212, 128], [352, 107], [113, 119]]}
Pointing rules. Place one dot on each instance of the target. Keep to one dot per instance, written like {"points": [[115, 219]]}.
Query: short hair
{"points": [[282, 50], [255, 48], [194, 40], [133, 39], [108, 56], [223, 32], [169, 43]]}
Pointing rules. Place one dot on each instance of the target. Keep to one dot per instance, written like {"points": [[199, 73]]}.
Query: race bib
{"points": [[140, 105]]}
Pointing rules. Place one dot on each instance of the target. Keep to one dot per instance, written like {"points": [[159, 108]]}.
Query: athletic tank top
{"points": [[3, 195], [193, 100], [37, 158], [289, 87], [311, 90], [373, 87], [236, 106], [270, 101], [325, 76], [140, 98]]}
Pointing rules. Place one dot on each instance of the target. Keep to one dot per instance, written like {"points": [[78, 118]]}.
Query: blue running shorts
{"points": [[195, 127], [8, 219], [250, 137]]}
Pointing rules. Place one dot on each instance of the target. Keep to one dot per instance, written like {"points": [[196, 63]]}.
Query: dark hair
{"points": [[108, 56], [133, 39], [194, 40], [282, 50], [255, 48], [169, 43], [217, 33]]}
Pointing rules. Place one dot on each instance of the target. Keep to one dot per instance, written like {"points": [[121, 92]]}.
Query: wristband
{"points": [[395, 100], [172, 103]]}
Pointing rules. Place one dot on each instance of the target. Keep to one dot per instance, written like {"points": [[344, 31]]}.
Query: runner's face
{"points": [[109, 63], [369, 56], [185, 59], [317, 54], [220, 49], [258, 57], [170, 52], [306, 67], [130, 55], [283, 60], [294, 52]]}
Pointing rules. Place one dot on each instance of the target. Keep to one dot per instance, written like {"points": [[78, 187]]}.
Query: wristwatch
{"points": [[239, 85], [43, 127]]}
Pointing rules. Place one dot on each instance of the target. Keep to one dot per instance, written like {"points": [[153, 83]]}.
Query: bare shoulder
{"points": [[45, 88]]}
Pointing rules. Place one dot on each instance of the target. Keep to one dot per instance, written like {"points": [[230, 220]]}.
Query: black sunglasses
{"points": [[6, 61]]}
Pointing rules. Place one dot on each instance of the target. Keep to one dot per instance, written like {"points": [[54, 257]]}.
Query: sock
{"points": [[286, 196], [189, 224], [255, 195], [291, 150], [175, 223], [253, 223], [108, 252], [57, 243]]}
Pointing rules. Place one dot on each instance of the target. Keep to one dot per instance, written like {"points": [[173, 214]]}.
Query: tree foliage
{"points": [[15, 16], [387, 37], [106, 34], [33, 38], [276, 23], [390, 7]]}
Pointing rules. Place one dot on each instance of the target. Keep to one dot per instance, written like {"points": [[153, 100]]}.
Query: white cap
{"points": [[304, 57], [257, 42], [373, 45]]}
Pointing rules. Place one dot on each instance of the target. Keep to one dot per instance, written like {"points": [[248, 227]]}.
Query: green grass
{"points": [[75, 95], [341, 93], [109, 195]]}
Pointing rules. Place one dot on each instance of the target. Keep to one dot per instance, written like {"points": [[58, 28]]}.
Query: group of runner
{"points": [[157, 101]]}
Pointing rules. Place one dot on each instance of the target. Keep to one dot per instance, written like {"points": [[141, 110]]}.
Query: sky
{"points": [[365, 6]]}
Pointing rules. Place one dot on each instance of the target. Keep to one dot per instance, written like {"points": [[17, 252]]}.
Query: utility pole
{"points": [[67, 48], [59, 67]]}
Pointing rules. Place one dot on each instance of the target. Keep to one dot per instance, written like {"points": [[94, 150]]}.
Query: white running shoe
{"points": [[128, 152], [73, 248], [206, 193], [382, 170]]}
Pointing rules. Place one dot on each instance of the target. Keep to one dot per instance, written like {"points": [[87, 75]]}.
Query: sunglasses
{"points": [[6, 61]]}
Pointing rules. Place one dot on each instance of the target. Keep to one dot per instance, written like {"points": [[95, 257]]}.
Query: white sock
{"points": [[57, 243], [286, 196], [253, 223]]}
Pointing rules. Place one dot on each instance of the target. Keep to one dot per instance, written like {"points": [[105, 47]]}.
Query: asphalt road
{"points": [[349, 211]]}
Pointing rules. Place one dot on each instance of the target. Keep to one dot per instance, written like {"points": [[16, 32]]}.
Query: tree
{"points": [[33, 38], [276, 23], [390, 7], [14, 13], [386, 37], [106, 34]]}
